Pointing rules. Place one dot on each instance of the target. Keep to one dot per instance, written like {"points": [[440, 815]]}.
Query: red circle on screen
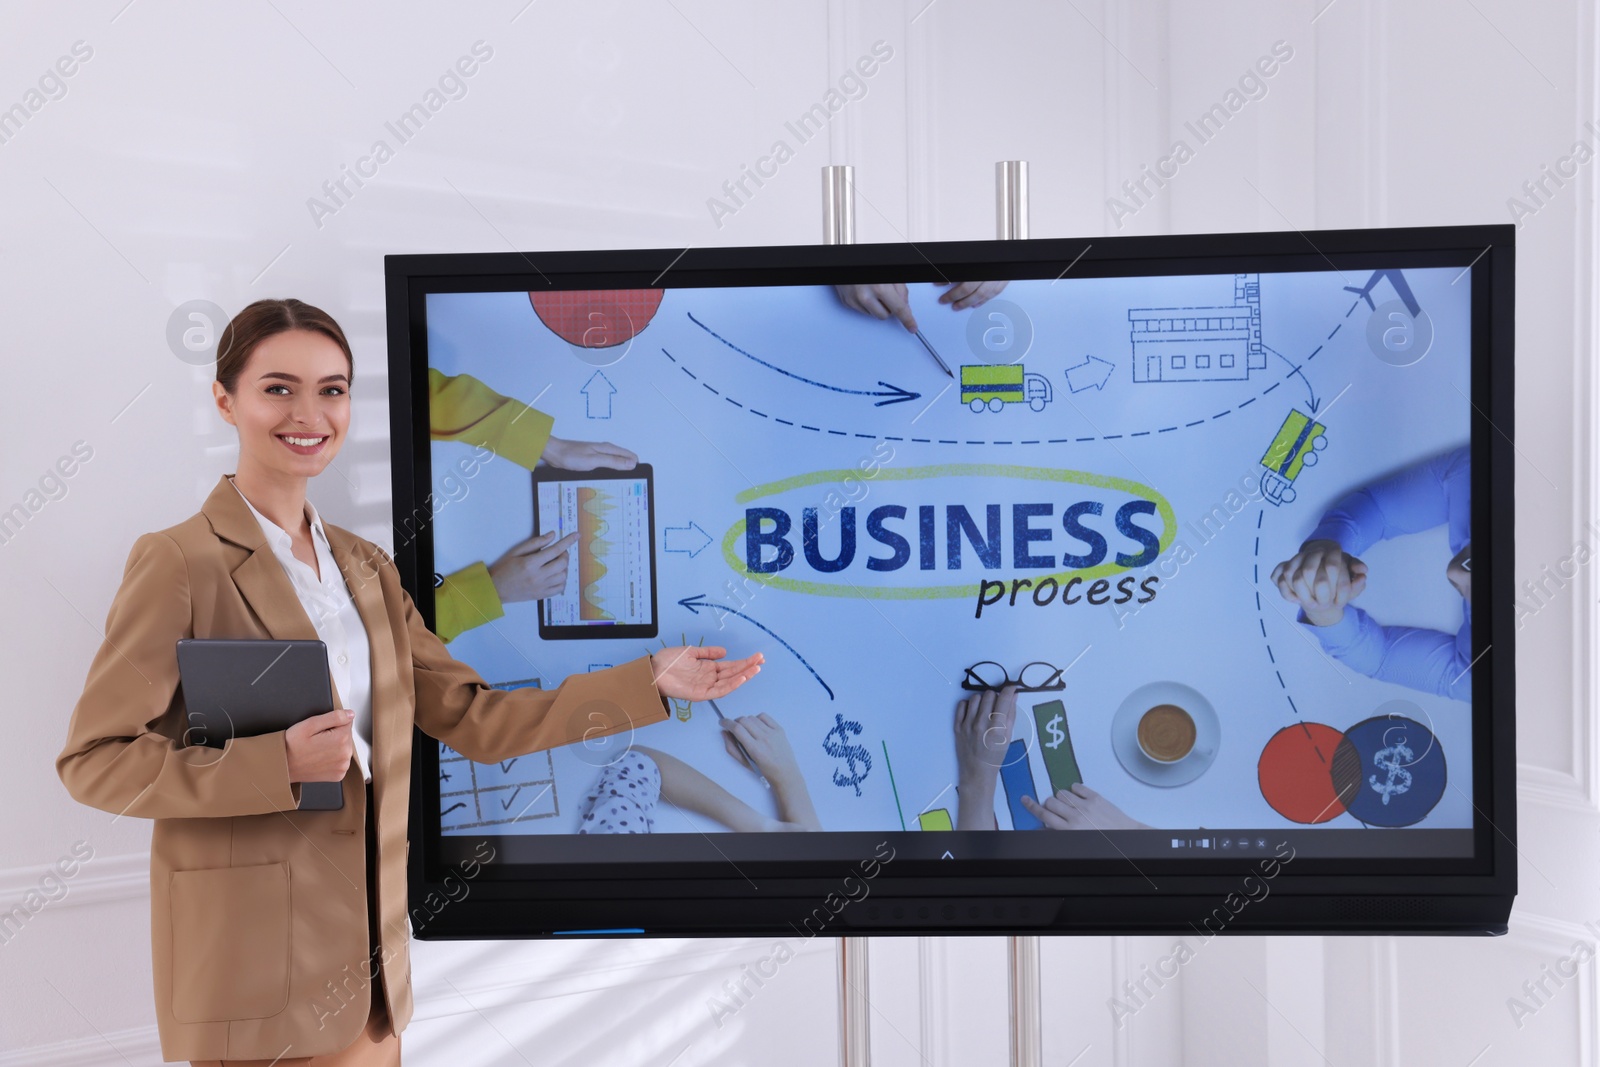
{"points": [[1296, 773], [596, 318]]}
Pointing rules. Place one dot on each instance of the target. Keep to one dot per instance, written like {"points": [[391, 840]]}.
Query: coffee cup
{"points": [[1166, 733]]}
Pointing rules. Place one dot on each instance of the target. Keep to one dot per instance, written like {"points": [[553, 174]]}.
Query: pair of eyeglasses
{"points": [[1035, 677]]}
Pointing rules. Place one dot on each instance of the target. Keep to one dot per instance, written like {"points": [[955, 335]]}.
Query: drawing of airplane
{"points": [[1396, 279]]}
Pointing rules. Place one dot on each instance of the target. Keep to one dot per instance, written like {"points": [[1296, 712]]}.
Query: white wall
{"points": [[178, 166]]}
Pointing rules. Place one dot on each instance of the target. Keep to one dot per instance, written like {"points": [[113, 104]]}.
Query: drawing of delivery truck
{"points": [[994, 385], [1294, 448]]}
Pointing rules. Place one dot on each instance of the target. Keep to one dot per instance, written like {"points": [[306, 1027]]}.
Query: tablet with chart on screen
{"points": [[610, 590]]}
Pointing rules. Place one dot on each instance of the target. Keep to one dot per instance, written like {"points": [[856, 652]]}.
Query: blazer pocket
{"points": [[230, 942]]}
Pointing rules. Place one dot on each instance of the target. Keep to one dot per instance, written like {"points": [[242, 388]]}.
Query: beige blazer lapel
{"points": [[361, 575], [260, 576], [270, 594]]}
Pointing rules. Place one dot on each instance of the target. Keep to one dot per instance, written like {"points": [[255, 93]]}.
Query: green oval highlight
{"points": [[735, 532]]}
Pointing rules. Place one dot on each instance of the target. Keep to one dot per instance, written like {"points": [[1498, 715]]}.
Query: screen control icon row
{"points": [[1226, 844]]}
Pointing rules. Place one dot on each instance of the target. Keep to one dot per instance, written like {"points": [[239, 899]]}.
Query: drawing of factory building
{"points": [[1200, 344]]}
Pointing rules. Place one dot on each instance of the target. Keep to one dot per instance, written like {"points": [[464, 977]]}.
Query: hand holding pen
{"points": [[745, 752], [885, 300]]}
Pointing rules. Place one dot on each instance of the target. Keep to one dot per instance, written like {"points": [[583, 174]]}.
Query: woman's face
{"points": [[291, 403]]}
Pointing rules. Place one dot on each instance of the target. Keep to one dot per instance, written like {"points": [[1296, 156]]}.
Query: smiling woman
{"points": [[290, 404], [259, 908]]}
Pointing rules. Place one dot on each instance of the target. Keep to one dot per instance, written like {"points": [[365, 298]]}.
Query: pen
{"points": [[942, 365], [740, 743]]}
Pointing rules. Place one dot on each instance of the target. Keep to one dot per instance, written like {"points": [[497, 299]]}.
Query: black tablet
{"points": [[241, 687], [611, 568]]}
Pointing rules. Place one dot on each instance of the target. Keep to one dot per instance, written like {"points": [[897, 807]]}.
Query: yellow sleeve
{"points": [[461, 408], [466, 599]]}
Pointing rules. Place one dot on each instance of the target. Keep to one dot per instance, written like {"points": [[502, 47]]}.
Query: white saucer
{"points": [[1125, 734]]}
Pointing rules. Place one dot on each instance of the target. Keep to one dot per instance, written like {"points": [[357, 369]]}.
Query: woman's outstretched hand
{"points": [[689, 673]]}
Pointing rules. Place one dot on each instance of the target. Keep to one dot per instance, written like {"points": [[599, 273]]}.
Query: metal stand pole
{"points": [[1011, 199], [1027, 1043], [838, 206], [1011, 223], [855, 1033], [855, 1030]]}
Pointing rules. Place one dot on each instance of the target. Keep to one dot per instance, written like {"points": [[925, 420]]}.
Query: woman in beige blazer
{"points": [[277, 935]]}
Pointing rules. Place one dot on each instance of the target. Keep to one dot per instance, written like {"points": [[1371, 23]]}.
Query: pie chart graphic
{"points": [[1395, 767], [596, 318], [1296, 772]]}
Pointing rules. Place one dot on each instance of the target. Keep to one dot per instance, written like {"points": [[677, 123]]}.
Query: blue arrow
{"points": [[1088, 375], [598, 396], [698, 601], [1294, 368], [688, 535], [895, 394]]}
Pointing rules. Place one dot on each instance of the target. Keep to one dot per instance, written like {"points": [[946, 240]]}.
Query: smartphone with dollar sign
{"points": [[1055, 743]]}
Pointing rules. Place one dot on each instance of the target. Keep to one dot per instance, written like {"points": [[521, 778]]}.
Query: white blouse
{"points": [[333, 613]]}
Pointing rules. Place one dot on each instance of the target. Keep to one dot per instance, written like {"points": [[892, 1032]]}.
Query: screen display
{"points": [[609, 579], [1186, 554]]}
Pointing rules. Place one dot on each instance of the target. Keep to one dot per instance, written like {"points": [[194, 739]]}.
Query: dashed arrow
{"points": [[893, 393]]}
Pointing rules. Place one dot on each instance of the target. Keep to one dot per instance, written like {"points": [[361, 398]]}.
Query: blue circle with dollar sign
{"points": [[1396, 767]]}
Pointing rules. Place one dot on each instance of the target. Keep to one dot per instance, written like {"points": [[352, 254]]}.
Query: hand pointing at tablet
{"points": [[461, 408], [537, 567], [532, 569]]}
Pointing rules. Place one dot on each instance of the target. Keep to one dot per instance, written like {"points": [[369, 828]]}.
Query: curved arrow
{"points": [[698, 601], [1294, 369], [895, 394]]}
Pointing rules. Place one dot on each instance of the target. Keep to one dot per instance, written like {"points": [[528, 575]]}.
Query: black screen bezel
{"points": [[1481, 885]]}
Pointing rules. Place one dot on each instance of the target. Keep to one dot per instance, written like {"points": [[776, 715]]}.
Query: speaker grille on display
{"points": [[1388, 909]]}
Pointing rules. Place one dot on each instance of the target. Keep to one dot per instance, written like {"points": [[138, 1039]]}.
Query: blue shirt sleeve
{"points": [[1429, 660], [1407, 501]]}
